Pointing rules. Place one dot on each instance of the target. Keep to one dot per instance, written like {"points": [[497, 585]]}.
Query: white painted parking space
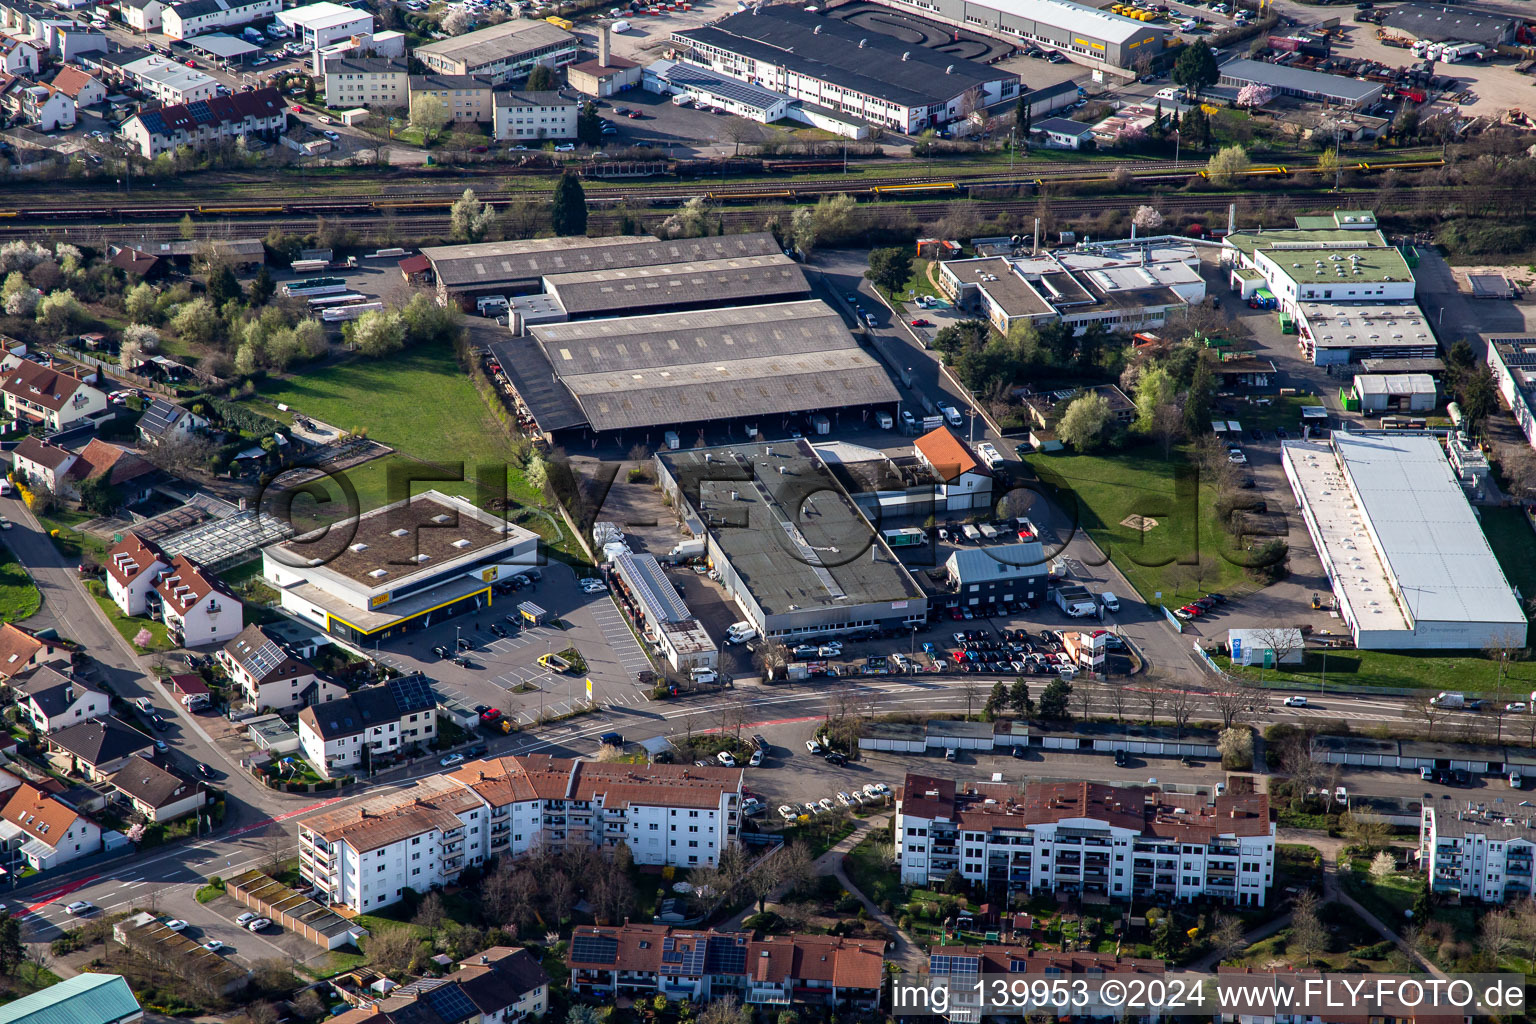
{"points": [[619, 637]]}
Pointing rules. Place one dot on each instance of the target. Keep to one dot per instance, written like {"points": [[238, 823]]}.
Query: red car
{"points": [[190, 63], [634, 115], [919, 322], [490, 714]]}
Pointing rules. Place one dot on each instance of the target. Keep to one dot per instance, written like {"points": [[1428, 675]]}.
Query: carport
{"points": [[532, 614], [222, 47]]}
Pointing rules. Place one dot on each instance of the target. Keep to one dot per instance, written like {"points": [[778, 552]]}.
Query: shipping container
{"points": [[909, 537]]}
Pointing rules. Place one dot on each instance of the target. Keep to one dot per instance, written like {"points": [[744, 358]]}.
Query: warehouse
{"points": [[1409, 565], [1086, 34], [677, 287], [659, 614], [503, 53], [324, 23], [838, 66], [712, 89], [791, 549], [1441, 24], [1335, 90], [1333, 333], [465, 272], [1381, 393], [648, 372]]}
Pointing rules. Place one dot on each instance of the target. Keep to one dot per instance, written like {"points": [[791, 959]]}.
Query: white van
{"points": [[704, 675], [1110, 602], [1171, 93], [882, 420], [951, 415]]}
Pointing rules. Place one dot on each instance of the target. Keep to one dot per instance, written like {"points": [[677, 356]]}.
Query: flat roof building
{"points": [[674, 287], [644, 372], [1441, 24], [1408, 561], [1086, 34], [1336, 90], [403, 566], [1384, 393], [791, 547], [840, 66], [653, 605], [1512, 358], [709, 87], [504, 53]]}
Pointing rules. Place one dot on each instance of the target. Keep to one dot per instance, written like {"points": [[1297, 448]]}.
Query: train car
{"points": [[900, 190], [413, 204], [226, 210], [750, 196]]}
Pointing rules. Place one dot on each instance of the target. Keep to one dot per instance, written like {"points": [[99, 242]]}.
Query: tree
{"points": [[12, 952], [1181, 706], [376, 333], [139, 302], [1478, 398], [1369, 833], [690, 221], [262, 288], [589, 126], [1308, 939], [997, 700], [1383, 865], [1197, 400], [1224, 167], [1498, 935], [1054, 701], [1254, 95], [309, 89], [129, 355], [469, 219], [890, 268], [1227, 937], [541, 79], [1147, 218], [1236, 746], [457, 21], [60, 312], [391, 951], [430, 114], [1019, 698], [142, 335], [196, 321], [568, 211], [187, 229], [1196, 68], [431, 914], [1083, 424], [222, 286], [1195, 129], [1328, 164], [771, 658]]}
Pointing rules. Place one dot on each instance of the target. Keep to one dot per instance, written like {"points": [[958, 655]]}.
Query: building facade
{"points": [[52, 398], [217, 120], [533, 116], [55, 700], [195, 17], [196, 608], [369, 727], [1475, 856], [1085, 34], [505, 53], [44, 832], [133, 566], [270, 676], [372, 82]]}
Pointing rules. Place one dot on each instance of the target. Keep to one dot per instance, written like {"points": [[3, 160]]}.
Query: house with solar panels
{"points": [[166, 421], [271, 676], [374, 724], [257, 114], [500, 985]]}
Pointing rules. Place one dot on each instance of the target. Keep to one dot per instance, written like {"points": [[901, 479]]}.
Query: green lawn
{"points": [[129, 627], [869, 867], [1514, 544], [917, 284], [19, 597], [1426, 670], [1183, 556]]}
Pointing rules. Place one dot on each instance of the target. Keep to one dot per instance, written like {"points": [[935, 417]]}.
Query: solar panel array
{"points": [[689, 961], [412, 692], [943, 963], [594, 949], [451, 1004], [265, 658], [726, 955]]}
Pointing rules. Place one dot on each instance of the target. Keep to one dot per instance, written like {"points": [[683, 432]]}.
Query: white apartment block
{"points": [[365, 855], [521, 116], [1477, 857], [133, 566], [195, 17], [195, 607], [372, 82], [1083, 837]]}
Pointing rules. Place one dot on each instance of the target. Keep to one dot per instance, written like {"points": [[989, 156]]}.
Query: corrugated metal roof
{"points": [[83, 999], [997, 562], [1302, 80], [496, 264], [1072, 17], [739, 279]]}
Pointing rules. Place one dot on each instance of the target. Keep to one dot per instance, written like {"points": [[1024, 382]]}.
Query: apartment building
{"points": [[467, 98], [638, 961], [521, 116], [271, 676], [1082, 837], [133, 565], [53, 398], [1476, 856], [18, 56], [54, 700], [195, 606], [193, 18], [141, 15], [372, 82], [364, 855], [375, 723], [216, 120]]}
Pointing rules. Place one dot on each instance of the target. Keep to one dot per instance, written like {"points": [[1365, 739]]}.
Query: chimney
{"points": [[484, 959], [602, 46]]}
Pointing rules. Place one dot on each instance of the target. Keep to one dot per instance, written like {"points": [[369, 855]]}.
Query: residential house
{"points": [[53, 398], [168, 81], [36, 462], [636, 960], [375, 723], [135, 263], [101, 747], [131, 477], [1062, 132], [133, 566], [269, 675], [965, 482], [220, 119], [82, 999], [18, 56], [141, 15], [536, 116], [36, 104], [165, 420], [55, 700], [22, 650], [467, 99], [195, 606], [366, 854], [195, 17], [1119, 843], [501, 985], [371, 82], [158, 792], [44, 831], [80, 87]]}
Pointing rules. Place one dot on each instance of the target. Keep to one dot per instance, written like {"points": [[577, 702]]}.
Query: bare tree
{"points": [[1152, 699], [1087, 698], [1500, 930], [1118, 699], [1284, 641], [1227, 937], [772, 657], [1308, 939], [1236, 702], [1424, 706], [1167, 426], [1181, 706], [733, 716], [971, 687]]}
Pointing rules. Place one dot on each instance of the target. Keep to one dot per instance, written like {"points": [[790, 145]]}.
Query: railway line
{"points": [[907, 189]]}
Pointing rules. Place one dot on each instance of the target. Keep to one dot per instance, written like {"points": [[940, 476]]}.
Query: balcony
{"points": [[944, 850], [502, 829]]}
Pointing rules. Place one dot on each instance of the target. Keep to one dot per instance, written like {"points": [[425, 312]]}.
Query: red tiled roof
{"points": [[186, 583], [70, 81], [947, 454], [18, 647], [117, 464], [38, 815], [132, 556], [48, 387]]}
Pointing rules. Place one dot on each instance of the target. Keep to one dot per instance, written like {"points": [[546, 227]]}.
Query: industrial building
{"points": [[1008, 574], [1086, 34], [1335, 90], [712, 89], [184, 20], [1512, 358], [322, 24], [648, 373], [653, 605], [1126, 286], [1441, 24], [404, 566], [838, 66], [504, 53], [466, 272], [792, 549], [1408, 562], [1383, 393]]}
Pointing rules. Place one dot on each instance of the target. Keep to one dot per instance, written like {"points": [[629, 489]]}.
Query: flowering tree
{"points": [[1147, 218], [135, 834], [143, 638], [1133, 135], [1254, 95]]}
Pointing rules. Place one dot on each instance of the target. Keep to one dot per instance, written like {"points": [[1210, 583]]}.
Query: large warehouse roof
{"points": [[711, 365], [742, 279], [832, 50], [1430, 554], [1440, 24], [1312, 83], [1073, 17], [499, 42], [497, 264]]}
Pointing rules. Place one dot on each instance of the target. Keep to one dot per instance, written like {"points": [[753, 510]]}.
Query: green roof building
{"points": [[83, 999]]}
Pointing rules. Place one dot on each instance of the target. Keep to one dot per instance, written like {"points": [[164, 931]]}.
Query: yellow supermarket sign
{"points": [[378, 600], [1084, 42]]}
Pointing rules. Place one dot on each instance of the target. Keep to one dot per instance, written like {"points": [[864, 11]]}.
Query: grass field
{"points": [[1183, 556], [19, 597], [1472, 671], [420, 403]]}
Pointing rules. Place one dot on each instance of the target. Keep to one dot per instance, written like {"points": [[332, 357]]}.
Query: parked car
{"points": [[788, 812], [726, 758], [176, 924], [213, 945], [259, 924], [246, 918], [451, 760], [812, 746]]}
